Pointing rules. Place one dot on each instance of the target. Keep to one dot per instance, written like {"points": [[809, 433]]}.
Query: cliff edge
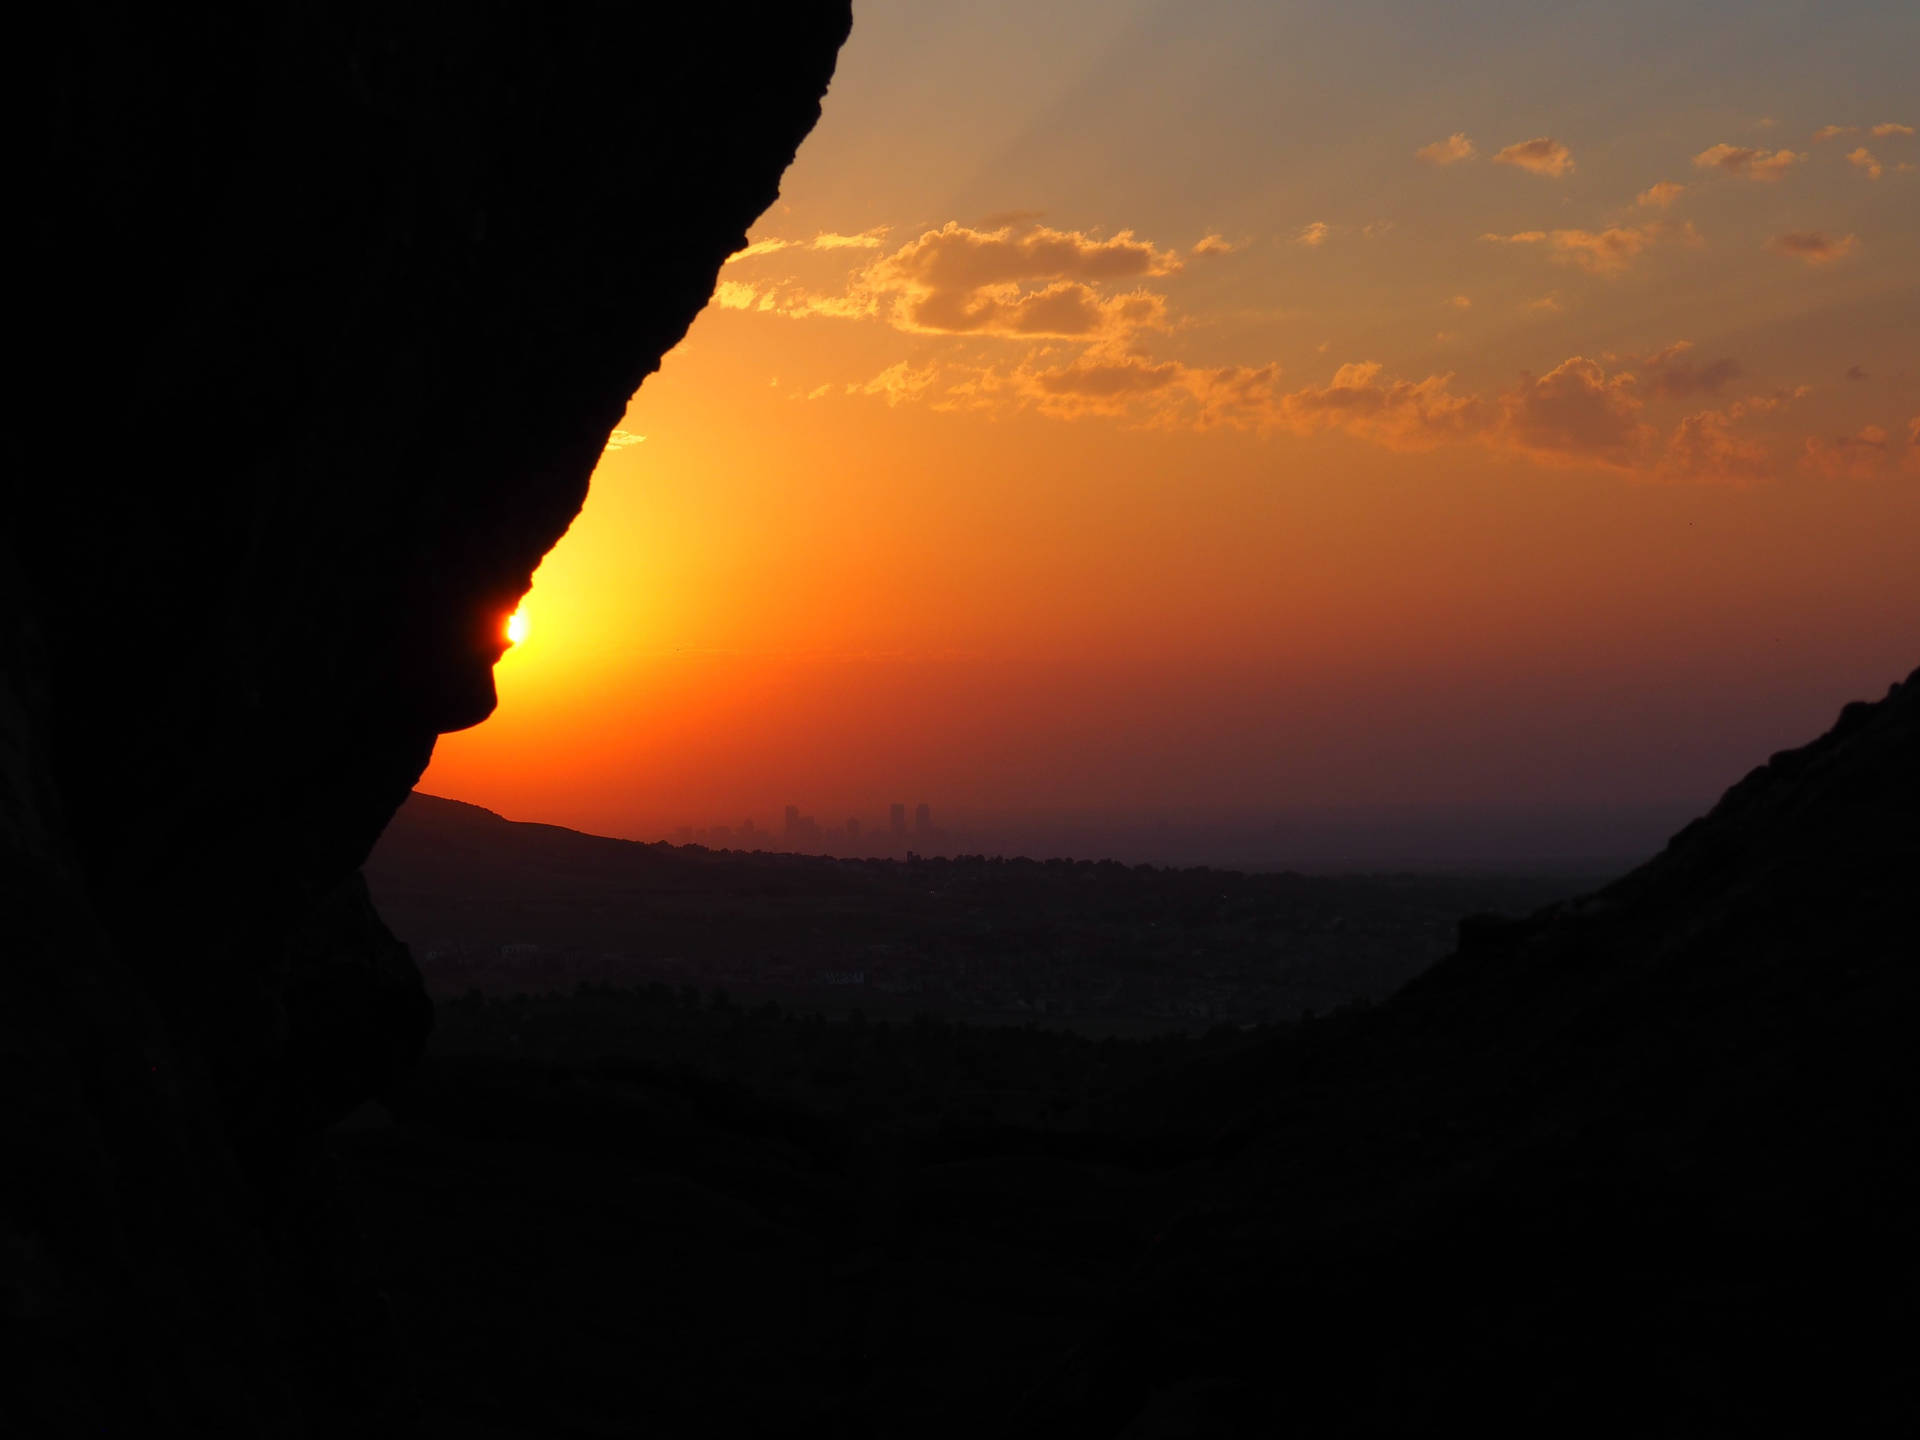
{"points": [[328, 311]]}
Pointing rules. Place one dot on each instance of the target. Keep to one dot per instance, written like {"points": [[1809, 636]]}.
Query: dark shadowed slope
{"points": [[1645, 1160]]}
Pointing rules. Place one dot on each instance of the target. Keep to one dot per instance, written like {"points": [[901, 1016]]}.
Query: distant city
{"points": [[1327, 841], [807, 835]]}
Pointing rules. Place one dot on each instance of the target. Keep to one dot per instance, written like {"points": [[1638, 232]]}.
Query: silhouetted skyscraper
{"points": [[923, 819]]}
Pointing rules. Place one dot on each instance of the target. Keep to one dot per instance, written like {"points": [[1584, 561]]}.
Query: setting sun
{"points": [[516, 627]]}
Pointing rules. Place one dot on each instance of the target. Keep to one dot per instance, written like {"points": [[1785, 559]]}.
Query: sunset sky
{"points": [[1197, 409]]}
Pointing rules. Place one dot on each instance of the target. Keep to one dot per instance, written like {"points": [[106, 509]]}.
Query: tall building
{"points": [[923, 819], [897, 815], [793, 821]]}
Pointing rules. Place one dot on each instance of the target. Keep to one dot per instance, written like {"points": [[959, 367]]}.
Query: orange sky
{"points": [[1236, 408]]}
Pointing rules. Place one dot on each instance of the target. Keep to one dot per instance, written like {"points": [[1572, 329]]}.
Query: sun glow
{"points": [[516, 627]]}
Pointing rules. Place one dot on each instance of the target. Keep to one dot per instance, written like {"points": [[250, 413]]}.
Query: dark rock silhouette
{"points": [[1644, 1160], [327, 311]]}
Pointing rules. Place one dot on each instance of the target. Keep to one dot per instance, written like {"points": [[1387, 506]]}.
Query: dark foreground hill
{"points": [[1641, 1162]]}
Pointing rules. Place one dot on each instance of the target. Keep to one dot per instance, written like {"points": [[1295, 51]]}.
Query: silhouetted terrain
{"points": [[502, 907], [332, 309], [1642, 1161]]}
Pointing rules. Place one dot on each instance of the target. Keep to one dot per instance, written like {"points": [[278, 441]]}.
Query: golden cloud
{"points": [[1313, 235], [1862, 159], [1704, 448], [1020, 281], [1890, 130], [1540, 156], [1601, 252], [1747, 162], [1834, 132], [960, 281], [1214, 244], [1450, 151], [1660, 196], [1576, 414], [897, 383], [1814, 247], [1845, 457]]}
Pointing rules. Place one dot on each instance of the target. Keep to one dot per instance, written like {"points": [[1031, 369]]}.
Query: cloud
{"points": [[1834, 132], [960, 281], [1021, 281], [1550, 303], [1768, 404], [1450, 151], [1461, 302], [1213, 245], [1660, 196], [1747, 162], [827, 240], [1704, 448], [1541, 156], [757, 249], [1889, 131], [1314, 235], [623, 440], [1601, 252], [866, 240], [1399, 414], [897, 383], [1672, 373], [1813, 247], [1845, 457], [1862, 159], [1095, 379], [1576, 413]]}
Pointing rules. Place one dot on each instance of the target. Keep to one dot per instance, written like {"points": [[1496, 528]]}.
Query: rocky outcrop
{"points": [[327, 310]]}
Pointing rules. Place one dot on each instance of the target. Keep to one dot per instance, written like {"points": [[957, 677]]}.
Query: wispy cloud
{"points": [[1214, 244], [1889, 131], [1673, 374], [1450, 151], [1660, 196], [1313, 235], [1601, 252], [826, 240], [1540, 156], [1747, 162], [1834, 132], [1814, 247]]}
